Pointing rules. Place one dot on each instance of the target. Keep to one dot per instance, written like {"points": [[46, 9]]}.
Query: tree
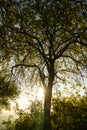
{"points": [[8, 91], [69, 113], [29, 120], [46, 40]]}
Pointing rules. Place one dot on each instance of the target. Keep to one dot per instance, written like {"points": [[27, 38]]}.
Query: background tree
{"points": [[46, 40], [32, 119], [69, 113], [8, 91]]}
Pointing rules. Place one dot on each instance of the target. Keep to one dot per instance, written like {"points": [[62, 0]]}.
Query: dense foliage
{"points": [[8, 92], [29, 120], [69, 114]]}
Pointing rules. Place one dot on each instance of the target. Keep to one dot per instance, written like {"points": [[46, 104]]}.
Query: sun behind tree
{"points": [[40, 94]]}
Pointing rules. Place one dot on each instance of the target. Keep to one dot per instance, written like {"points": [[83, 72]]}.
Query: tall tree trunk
{"points": [[47, 107], [47, 99]]}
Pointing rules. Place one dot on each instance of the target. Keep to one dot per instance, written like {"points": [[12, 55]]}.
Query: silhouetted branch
{"points": [[61, 51]]}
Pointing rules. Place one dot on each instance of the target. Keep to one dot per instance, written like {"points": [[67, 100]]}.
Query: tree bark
{"points": [[47, 107], [47, 99]]}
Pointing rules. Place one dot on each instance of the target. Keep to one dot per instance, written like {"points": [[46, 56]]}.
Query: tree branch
{"points": [[38, 46], [25, 65], [42, 76], [82, 43], [61, 51], [77, 61]]}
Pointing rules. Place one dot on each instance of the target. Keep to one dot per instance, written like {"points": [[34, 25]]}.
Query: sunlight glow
{"points": [[40, 94], [25, 100]]}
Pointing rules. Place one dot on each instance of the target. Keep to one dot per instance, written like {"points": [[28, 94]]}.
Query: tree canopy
{"points": [[36, 33]]}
